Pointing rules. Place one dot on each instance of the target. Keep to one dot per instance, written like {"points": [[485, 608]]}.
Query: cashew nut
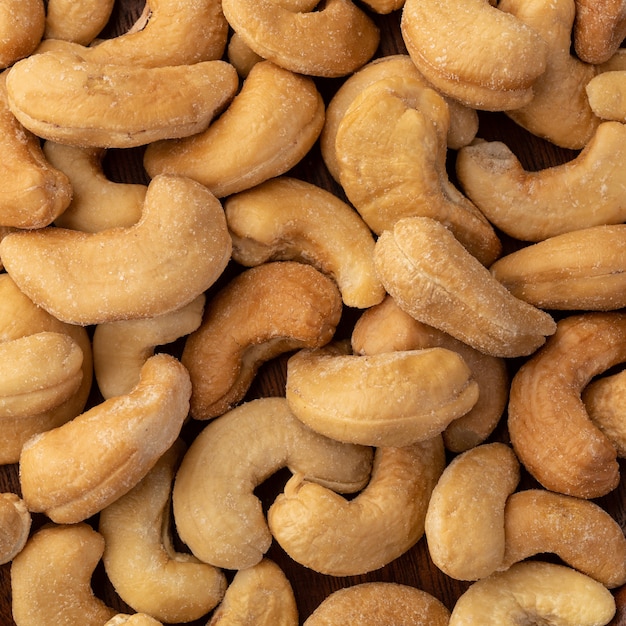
{"points": [[270, 125], [216, 511], [139, 556], [329, 534], [51, 578], [15, 525], [437, 281], [263, 312], [79, 22], [599, 29], [285, 218], [75, 470], [605, 92], [586, 191], [136, 619], [176, 251], [549, 426], [22, 24]]}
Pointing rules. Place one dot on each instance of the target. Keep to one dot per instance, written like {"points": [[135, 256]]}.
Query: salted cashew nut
{"points": [[51, 577], [559, 110], [263, 312], [79, 22], [465, 519], [582, 270], [323, 531], [534, 205], [387, 399], [176, 251], [61, 96], [135, 619], [15, 525], [534, 592], [433, 278], [32, 191], [74, 471], [372, 603], [391, 151], [140, 559], [216, 511], [549, 427], [269, 126], [579, 531], [494, 61], [97, 202], [120, 349], [22, 24], [605, 92], [385, 327], [599, 29], [289, 219], [260, 595]]}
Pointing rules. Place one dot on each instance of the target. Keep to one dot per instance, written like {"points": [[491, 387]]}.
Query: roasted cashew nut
{"points": [[216, 511], [15, 525], [605, 92], [22, 24], [79, 22], [329, 534], [599, 29]]}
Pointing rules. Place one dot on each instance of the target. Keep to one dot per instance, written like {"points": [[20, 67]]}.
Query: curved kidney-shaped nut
{"points": [[139, 556], [437, 281], [388, 399], [549, 426], [285, 218], [15, 525], [51, 578], [331, 42], [387, 328], [583, 270], [260, 595], [176, 251], [465, 518], [216, 511], [372, 603], [559, 110], [606, 92], [535, 205], [263, 312], [535, 592], [579, 531], [63, 97], [479, 70], [97, 202], [329, 534], [79, 22], [74, 471], [599, 29], [120, 349], [33, 192], [270, 125], [136, 619], [391, 151], [22, 24]]}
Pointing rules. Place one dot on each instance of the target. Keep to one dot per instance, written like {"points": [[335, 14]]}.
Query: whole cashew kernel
{"points": [[329, 534], [599, 29], [216, 511], [15, 525], [176, 251], [79, 22], [72, 472], [22, 24]]}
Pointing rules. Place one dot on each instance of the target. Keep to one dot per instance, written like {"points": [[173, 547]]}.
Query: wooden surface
{"points": [[415, 567]]}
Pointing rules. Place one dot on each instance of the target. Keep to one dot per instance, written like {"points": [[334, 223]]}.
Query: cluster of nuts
{"points": [[223, 100]]}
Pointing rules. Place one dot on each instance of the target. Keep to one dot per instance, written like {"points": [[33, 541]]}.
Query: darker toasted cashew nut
{"points": [[599, 29], [549, 426], [22, 24]]}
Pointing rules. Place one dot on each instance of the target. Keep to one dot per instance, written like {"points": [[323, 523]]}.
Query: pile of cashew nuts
{"points": [[438, 293]]}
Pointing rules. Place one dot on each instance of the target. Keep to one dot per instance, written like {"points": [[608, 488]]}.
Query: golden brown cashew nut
{"points": [[579, 531], [534, 205], [22, 24], [80, 22], [265, 311], [176, 251], [51, 578], [333, 41], [549, 427], [75, 470], [270, 125], [437, 281], [605, 92], [285, 218], [140, 559], [373, 603], [15, 525], [329, 534], [465, 518], [216, 511], [535, 593], [599, 29], [260, 595], [391, 148], [479, 70], [61, 96]]}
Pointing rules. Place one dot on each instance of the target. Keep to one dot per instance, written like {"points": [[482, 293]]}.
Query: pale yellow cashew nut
{"points": [[15, 525], [79, 22], [605, 92], [22, 24]]}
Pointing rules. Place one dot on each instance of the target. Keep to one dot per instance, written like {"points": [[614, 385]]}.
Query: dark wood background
{"points": [[415, 567]]}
